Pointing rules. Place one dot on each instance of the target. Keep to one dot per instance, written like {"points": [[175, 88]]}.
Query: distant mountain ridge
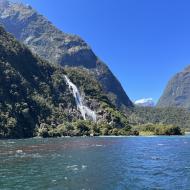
{"points": [[50, 43], [177, 91]]}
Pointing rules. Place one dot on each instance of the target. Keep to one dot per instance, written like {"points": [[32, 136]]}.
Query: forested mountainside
{"points": [[56, 98], [51, 44], [35, 98]]}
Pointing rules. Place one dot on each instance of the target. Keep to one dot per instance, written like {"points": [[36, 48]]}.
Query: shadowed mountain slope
{"points": [[36, 99], [177, 91], [51, 44]]}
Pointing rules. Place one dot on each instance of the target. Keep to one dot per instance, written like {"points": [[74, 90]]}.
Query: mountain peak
{"points": [[45, 40], [36, 94], [145, 102]]}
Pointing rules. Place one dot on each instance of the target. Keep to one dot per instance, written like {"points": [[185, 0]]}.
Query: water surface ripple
{"points": [[130, 163]]}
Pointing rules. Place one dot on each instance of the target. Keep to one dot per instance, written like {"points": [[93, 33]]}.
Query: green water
{"points": [[130, 163]]}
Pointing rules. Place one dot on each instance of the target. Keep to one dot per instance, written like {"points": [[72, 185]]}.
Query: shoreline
{"points": [[101, 136]]}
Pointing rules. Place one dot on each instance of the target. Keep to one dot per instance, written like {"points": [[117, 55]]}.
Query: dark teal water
{"points": [[130, 163]]}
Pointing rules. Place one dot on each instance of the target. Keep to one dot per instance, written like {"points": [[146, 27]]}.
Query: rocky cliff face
{"points": [[34, 96], [177, 92], [47, 41]]}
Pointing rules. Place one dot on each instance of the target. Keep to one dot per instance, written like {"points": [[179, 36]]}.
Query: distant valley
{"points": [[52, 85]]}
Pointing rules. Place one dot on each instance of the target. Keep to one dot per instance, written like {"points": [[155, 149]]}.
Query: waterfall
{"points": [[84, 110]]}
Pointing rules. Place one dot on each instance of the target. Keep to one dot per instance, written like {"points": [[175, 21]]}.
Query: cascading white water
{"points": [[85, 111]]}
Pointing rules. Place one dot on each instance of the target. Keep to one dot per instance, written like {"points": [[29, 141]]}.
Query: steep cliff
{"points": [[51, 44], [177, 92], [35, 98]]}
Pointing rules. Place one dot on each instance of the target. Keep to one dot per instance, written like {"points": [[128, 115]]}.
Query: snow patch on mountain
{"points": [[145, 102]]}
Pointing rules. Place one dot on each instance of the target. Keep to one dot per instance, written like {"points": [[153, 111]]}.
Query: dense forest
{"points": [[34, 96], [177, 117], [35, 100]]}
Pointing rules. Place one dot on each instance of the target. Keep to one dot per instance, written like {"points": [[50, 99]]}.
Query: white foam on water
{"points": [[19, 151], [72, 167], [84, 166], [21, 154], [11, 142]]}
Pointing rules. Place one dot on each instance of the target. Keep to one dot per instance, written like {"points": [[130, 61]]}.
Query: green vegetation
{"points": [[35, 100], [83, 128], [60, 48], [158, 129], [177, 117]]}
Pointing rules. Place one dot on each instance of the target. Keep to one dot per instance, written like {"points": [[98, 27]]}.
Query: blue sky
{"points": [[144, 42]]}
